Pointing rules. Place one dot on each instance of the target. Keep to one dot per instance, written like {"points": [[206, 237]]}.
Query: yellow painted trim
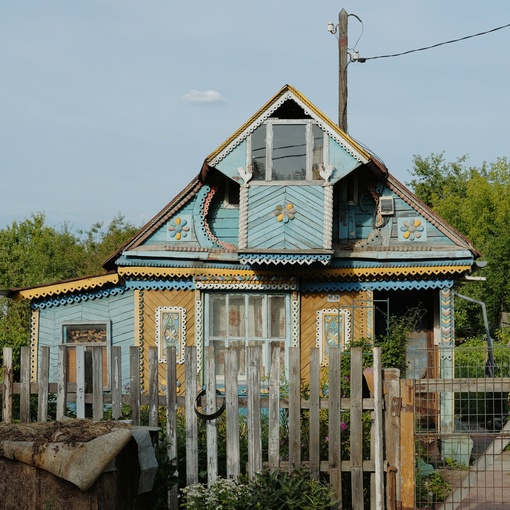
{"points": [[353, 273], [71, 286], [309, 105]]}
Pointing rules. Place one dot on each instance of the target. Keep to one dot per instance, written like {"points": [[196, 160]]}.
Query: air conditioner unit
{"points": [[386, 206]]}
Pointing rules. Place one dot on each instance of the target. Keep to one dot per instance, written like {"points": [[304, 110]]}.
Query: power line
{"points": [[364, 59]]}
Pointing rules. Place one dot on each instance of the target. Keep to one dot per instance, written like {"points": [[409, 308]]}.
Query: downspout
{"points": [[490, 366]]}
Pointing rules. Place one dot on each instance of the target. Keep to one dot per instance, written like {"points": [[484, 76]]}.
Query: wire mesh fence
{"points": [[462, 428]]}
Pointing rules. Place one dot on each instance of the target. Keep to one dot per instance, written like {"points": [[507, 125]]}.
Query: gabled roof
{"points": [[285, 94]]}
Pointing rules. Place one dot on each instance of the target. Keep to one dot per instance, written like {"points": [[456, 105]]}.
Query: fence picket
{"points": [[356, 427], [97, 383], [134, 383], [314, 398], [8, 382], [80, 381], [254, 426], [211, 431], [62, 381], [116, 382], [171, 423], [191, 418], [232, 413], [334, 428], [44, 380], [24, 405], [274, 408], [153, 386], [294, 408]]}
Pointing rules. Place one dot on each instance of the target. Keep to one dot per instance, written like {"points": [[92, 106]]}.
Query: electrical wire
{"points": [[364, 59]]}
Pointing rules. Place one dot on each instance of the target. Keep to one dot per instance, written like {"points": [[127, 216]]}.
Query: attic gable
{"points": [[288, 139]]}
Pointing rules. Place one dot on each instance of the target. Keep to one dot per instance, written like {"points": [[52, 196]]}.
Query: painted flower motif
{"points": [[412, 229], [286, 213], [178, 228]]}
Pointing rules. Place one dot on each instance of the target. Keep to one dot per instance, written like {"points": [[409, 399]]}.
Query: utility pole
{"points": [[342, 70]]}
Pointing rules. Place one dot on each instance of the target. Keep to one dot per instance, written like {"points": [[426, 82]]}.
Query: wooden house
{"points": [[291, 232]]}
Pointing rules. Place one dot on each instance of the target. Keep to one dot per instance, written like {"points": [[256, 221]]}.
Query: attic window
{"points": [[287, 150]]}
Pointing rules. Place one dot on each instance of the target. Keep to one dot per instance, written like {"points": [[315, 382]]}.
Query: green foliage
{"points": [[33, 253], [475, 201], [431, 490], [277, 490]]}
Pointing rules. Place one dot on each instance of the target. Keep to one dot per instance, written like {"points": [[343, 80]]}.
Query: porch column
{"points": [[446, 359]]}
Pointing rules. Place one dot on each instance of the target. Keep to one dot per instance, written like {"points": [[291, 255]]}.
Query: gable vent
{"points": [[386, 206]]}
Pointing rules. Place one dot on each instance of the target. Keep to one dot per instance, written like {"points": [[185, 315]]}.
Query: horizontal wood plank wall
{"points": [[311, 303], [151, 300]]}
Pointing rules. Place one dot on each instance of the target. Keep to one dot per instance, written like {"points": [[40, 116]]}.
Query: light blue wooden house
{"points": [[291, 232]]}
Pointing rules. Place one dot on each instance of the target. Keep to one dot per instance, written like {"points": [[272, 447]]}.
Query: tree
{"points": [[476, 202], [33, 253]]}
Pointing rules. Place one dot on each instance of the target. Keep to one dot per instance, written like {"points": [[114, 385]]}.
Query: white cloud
{"points": [[203, 96]]}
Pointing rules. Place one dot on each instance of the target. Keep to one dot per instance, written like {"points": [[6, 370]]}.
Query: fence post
{"points": [[274, 407], [62, 381], [294, 408], [211, 432], [24, 404], [97, 383], [232, 412], [254, 428], [171, 423], [191, 418], [134, 383], [153, 386], [379, 431], [335, 398], [44, 379], [116, 382], [392, 435], [314, 401], [407, 444], [356, 425], [80, 381], [7, 385]]}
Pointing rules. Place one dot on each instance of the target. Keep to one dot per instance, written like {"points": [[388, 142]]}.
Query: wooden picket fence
{"points": [[262, 400]]}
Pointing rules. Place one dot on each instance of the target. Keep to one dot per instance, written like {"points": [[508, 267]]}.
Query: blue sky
{"points": [[111, 106]]}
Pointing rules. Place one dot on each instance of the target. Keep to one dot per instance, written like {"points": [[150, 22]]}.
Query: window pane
{"points": [[255, 317], [318, 150], [236, 316], [289, 152], [258, 153], [277, 316], [218, 311]]}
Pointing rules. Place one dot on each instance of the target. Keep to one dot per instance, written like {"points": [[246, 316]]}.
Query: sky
{"points": [[110, 107]]}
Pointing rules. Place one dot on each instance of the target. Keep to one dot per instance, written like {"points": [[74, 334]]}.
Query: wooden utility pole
{"points": [[342, 70]]}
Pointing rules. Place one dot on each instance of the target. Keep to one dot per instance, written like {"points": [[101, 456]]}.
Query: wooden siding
{"points": [[343, 162], [151, 300], [223, 221], [304, 231], [354, 302], [118, 310]]}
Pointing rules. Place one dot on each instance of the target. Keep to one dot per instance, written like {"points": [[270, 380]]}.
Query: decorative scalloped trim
{"points": [[285, 97], [328, 217], [284, 259], [236, 282], [359, 286], [319, 329], [78, 298], [207, 203], [295, 316], [182, 331], [141, 336], [161, 285]]}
